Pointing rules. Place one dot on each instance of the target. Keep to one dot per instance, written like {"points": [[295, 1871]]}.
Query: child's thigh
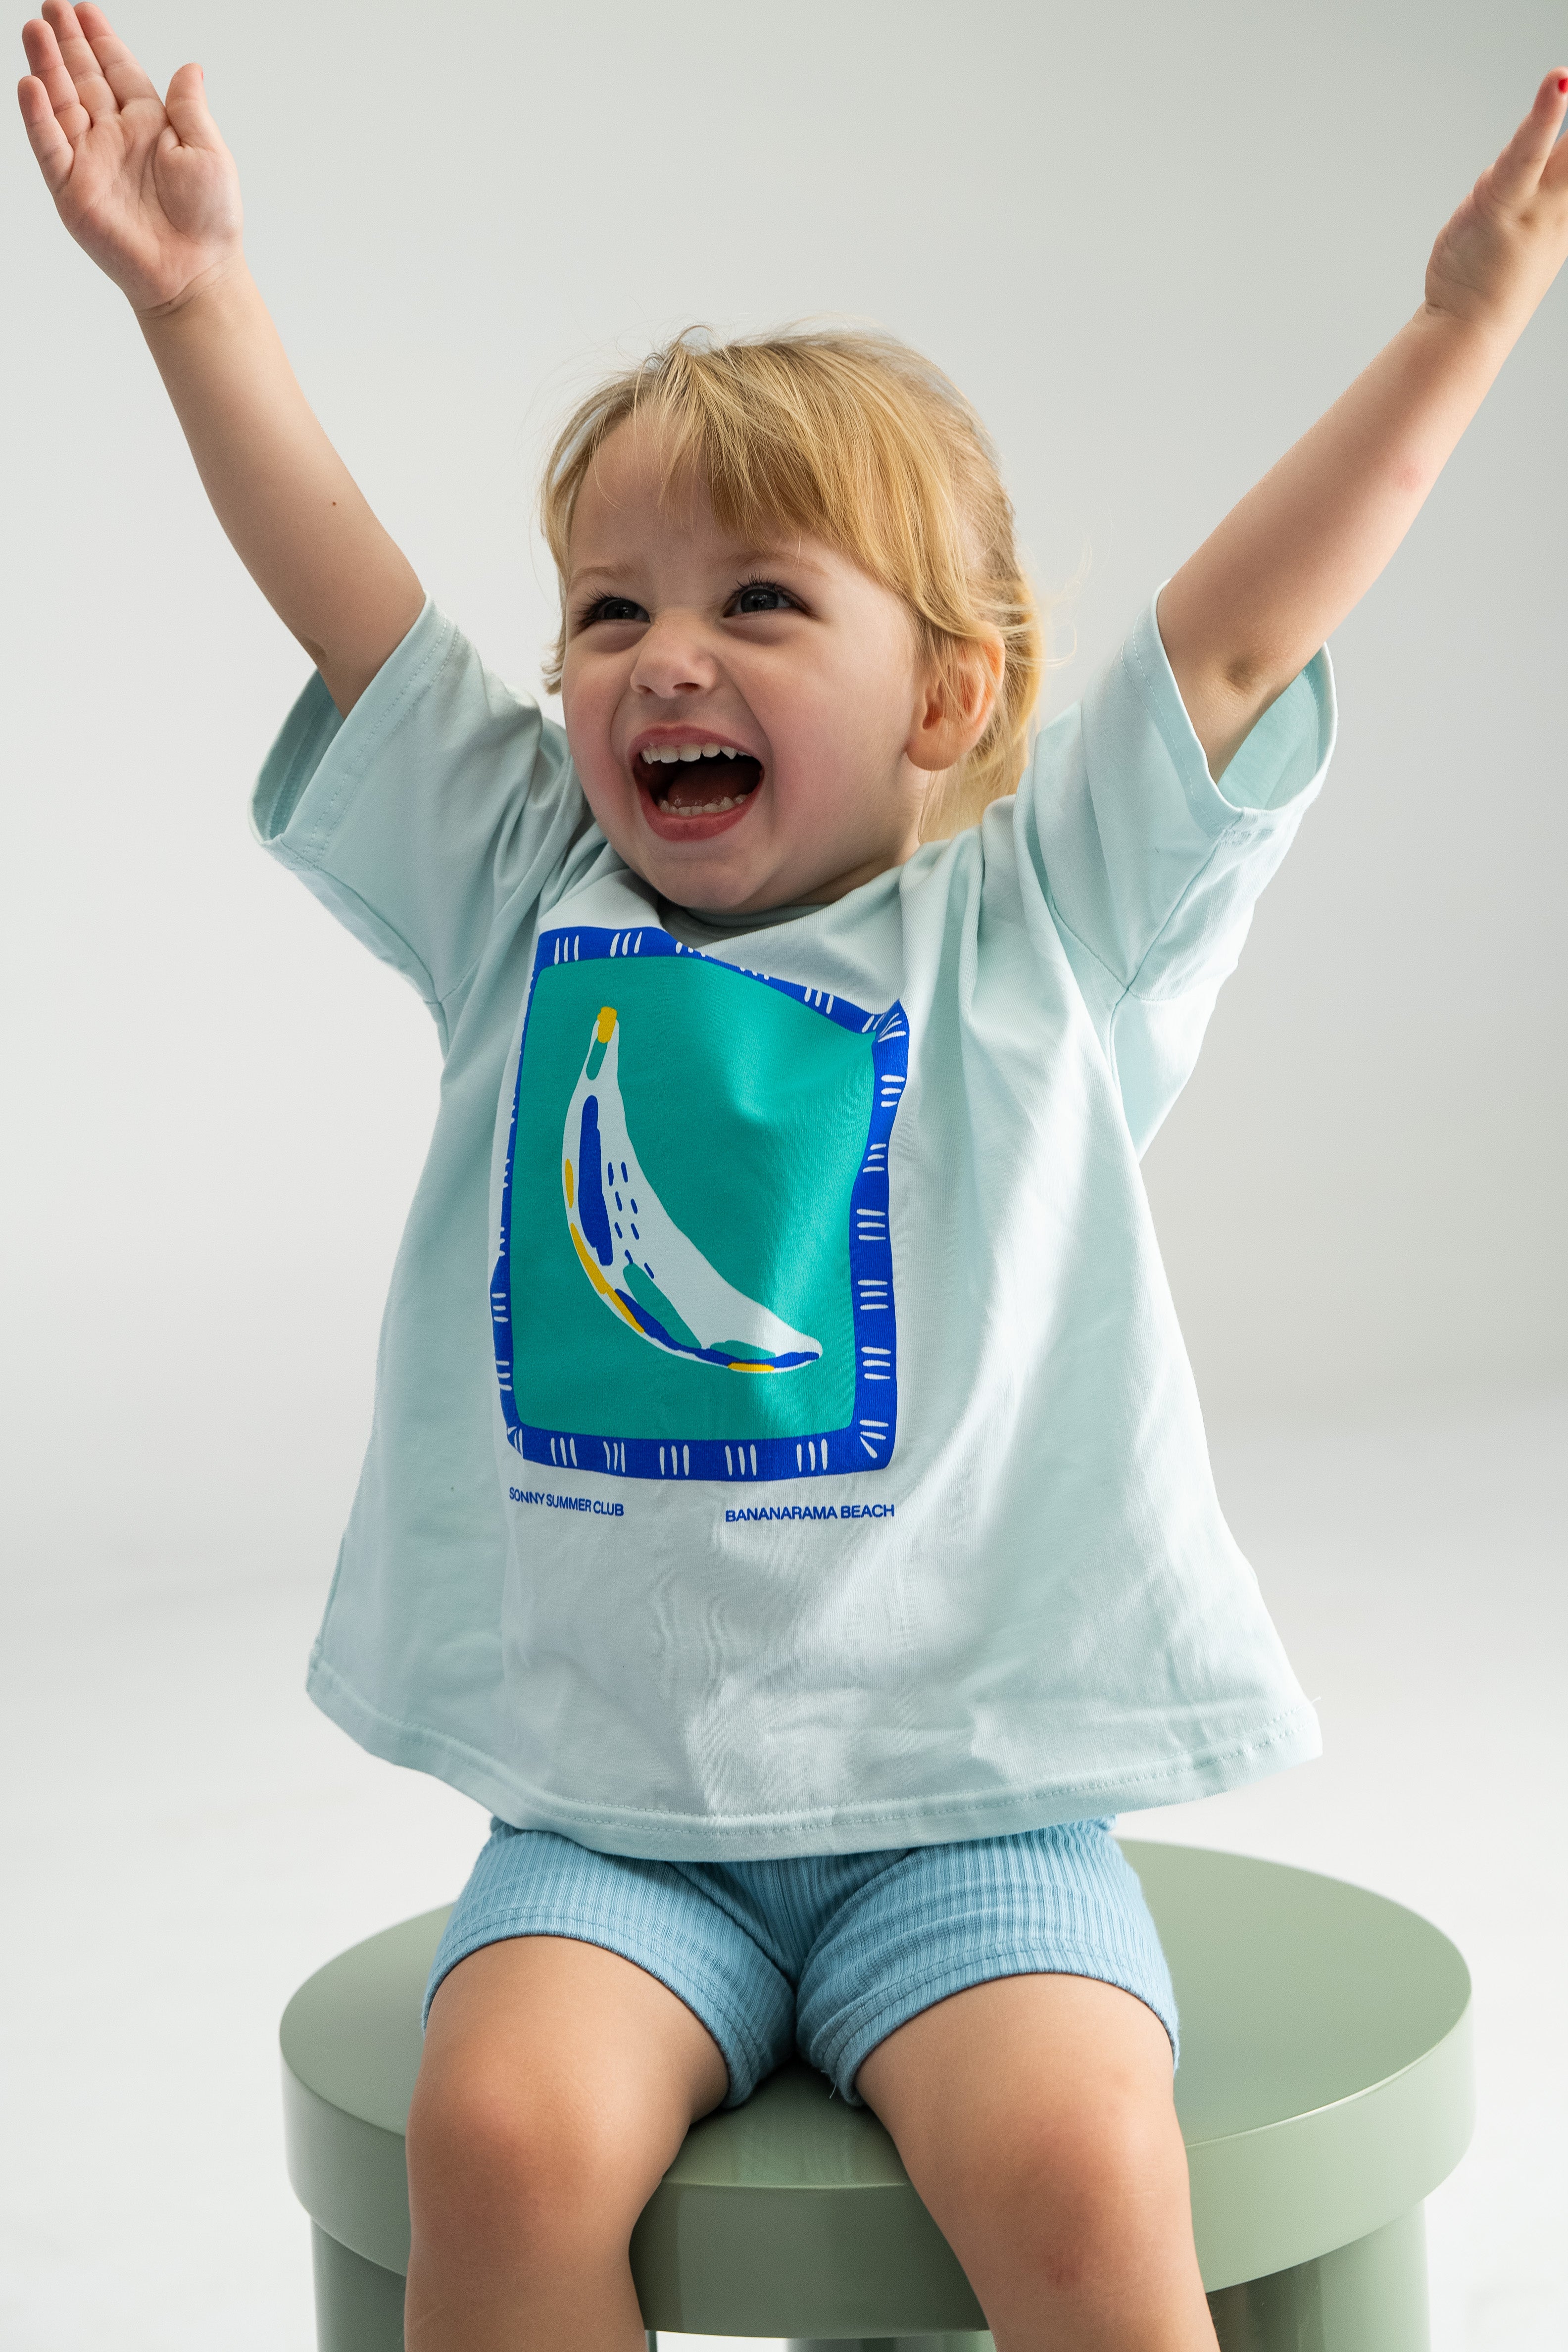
{"points": [[553, 2073], [1035, 2118]]}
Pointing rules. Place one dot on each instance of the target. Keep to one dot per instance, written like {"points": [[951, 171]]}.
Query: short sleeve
{"points": [[1151, 869], [440, 802]]}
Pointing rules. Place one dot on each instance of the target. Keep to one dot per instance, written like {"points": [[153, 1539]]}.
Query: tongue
{"points": [[701, 793], [716, 780]]}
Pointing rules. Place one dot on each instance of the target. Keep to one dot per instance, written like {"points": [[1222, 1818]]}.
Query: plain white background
{"points": [[1152, 244]]}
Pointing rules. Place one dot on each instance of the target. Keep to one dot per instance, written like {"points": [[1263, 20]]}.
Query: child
{"points": [[854, 1556]]}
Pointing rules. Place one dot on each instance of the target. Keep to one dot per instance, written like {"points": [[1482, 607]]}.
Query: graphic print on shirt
{"points": [[694, 1273], [598, 1158]]}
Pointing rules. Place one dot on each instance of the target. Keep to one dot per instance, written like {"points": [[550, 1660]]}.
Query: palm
{"points": [[149, 191], [1509, 239]]}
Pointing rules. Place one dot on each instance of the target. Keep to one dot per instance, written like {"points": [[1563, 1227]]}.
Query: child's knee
{"points": [[536, 2161], [1097, 2186], [1073, 2206]]}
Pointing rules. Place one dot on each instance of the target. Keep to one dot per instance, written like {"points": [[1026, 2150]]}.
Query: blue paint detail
{"points": [[591, 1209], [645, 1319], [865, 1442]]}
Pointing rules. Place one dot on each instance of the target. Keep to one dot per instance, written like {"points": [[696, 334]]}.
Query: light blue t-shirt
{"points": [[784, 1442]]}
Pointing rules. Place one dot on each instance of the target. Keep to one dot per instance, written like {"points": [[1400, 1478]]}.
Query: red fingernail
{"points": [[1562, 85]]}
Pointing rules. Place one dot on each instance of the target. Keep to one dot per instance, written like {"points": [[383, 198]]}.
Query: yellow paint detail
{"points": [[589, 1268], [566, 1179], [733, 1367], [601, 1285], [607, 1022]]}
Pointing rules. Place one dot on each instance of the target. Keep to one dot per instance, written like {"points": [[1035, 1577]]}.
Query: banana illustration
{"points": [[635, 1256]]}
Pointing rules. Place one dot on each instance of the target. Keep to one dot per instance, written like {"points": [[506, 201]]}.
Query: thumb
{"points": [[186, 108]]}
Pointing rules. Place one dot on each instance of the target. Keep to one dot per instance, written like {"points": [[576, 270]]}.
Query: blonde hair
{"points": [[856, 440]]}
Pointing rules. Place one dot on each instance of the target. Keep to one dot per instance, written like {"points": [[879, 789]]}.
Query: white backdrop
{"points": [[1151, 243]]}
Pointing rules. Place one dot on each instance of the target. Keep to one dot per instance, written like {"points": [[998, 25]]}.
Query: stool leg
{"points": [[359, 2307], [1366, 2297]]}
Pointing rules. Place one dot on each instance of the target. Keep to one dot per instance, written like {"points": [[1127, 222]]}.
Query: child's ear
{"points": [[956, 703]]}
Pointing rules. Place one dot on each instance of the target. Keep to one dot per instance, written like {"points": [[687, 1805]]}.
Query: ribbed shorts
{"points": [[826, 1953]]}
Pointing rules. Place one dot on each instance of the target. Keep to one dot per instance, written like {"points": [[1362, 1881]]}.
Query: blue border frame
{"points": [[866, 1442]]}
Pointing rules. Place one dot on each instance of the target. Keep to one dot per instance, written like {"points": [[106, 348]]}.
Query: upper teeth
{"points": [[669, 752]]}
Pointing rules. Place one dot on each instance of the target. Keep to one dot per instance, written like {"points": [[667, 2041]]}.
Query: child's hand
{"points": [[1509, 238], [147, 188]]}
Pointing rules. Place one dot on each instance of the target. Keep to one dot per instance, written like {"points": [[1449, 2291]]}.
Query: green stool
{"points": [[1324, 2091]]}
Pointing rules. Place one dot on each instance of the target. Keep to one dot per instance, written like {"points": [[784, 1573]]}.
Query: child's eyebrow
{"points": [[740, 558], [780, 553]]}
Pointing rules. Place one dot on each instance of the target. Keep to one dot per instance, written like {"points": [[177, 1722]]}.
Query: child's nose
{"points": [[674, 656]]}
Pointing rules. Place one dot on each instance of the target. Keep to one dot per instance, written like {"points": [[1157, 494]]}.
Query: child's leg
{"points": [[557, 2083], [1035, 2116]]}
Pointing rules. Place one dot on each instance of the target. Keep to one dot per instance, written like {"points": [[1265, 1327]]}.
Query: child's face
{"points": [[785, 655]]}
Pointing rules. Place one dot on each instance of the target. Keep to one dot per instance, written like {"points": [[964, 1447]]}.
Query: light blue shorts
{"points": [[831, 1952]]}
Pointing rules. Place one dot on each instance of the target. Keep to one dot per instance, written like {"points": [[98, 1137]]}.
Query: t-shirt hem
{"points": [[1273, 1745]]}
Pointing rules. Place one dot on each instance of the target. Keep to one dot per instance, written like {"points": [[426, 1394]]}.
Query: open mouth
{"points": [[688, 781]]}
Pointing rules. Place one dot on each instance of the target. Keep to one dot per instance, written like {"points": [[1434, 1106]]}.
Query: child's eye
{"points": [[761, 597], [610, 608]]}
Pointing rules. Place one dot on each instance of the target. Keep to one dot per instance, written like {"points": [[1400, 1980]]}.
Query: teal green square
{"points": [[750, 1114]]}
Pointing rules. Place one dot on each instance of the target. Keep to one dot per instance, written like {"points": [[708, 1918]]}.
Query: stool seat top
{"points": [[1324, 2088]]}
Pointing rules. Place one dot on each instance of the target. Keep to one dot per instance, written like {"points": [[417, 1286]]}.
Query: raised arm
{"points": [[1242, 615], [148, 189]]}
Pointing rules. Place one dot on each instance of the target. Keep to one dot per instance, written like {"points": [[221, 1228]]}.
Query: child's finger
{"points": [[1556, 175], [187, 110], [125, 76], [47, 140], [92, 91], [48, 68], [1517, 172]]}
